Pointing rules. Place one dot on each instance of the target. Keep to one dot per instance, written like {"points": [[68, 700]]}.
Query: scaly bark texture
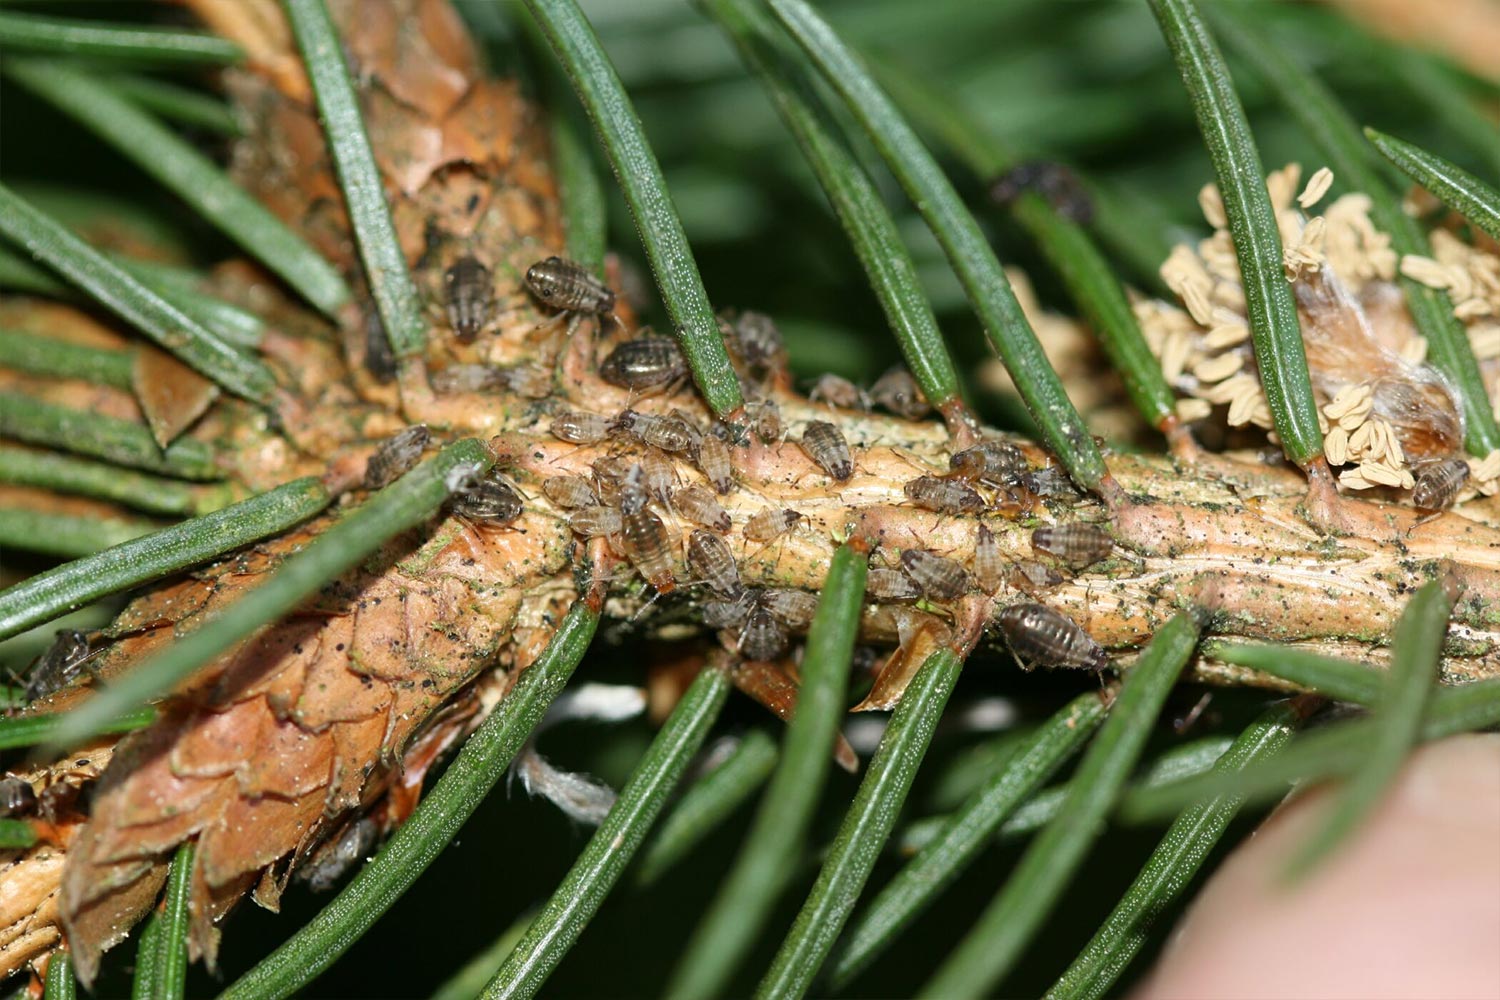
{"points": [[338, 710]]}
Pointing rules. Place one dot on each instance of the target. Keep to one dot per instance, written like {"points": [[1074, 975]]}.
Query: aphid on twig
{"points": [[825, 445], [17, 797], [396, 456], [729, 613], [1032, 576], [898, 392], [578, 427], [380, 360], [1054, 182], [987, 563], [997, 463], [763, 637], [1075, 544], [645, 541], [531, 381], [710, 560], [835, 390], [771, 523], [793, 608], [570, 491], [334, 860], [699, 505], [491, 499], [667, 433], [766, 421], [883, 584], [570, 287], [658, 476], [59, 666], [469, 292], [644, 364], [711, 455], [1040, 636], [939, 578], [756, 339], [595, 522], [1051, 483], [1438, 483], [630, 493], [946, 496], [468, 378]]}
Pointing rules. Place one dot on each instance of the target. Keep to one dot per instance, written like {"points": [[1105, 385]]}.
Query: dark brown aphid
{"points": [[666, 433], [835, 390], [59, 666], [570, 287], [570, 491], [731, 613], [1051, 483], [898, 392], [1040, 636], [997, 463], [648, 545], [793, 608], [1031, 576], [712, 458], [710, 560], [890, 585], [469, 291], [763, 637], [1437, 484], [825, 445], [772, 523], [491, 499], [1075, 545], [989, 567], [939, 578], [17, 797], [468, 378], [946, 496], [578, 427], [699, 505], [380, 360], [396, 456], [595, 522], [644, 364], [337, 858], [1055, 183]]}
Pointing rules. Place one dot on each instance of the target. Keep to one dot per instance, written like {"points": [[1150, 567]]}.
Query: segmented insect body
{"points": [[396, 456], [658, 476], [898, 392], [531, 381], [1032, 576], [1075, 544], [490, 499], [666, 433], [631, 495], [767, 421], [712, 458], [946, 496], [571, 287], [1040, 636], [17, 797], [762, 637], [771, 523], [468, 378], [939, 577], [825, 445], [1050, 483], [710, 560], [698, 505], [644, 364], [333, 862], [595, 522], [793, 608], [758, 341], [729, 613], [987, 563], [835, 390], [469, 290], [59, 666], [570, 491], [1437, 484], [578, 427], [884, 584], [1054, 182], [648, 545], [997, 463]]}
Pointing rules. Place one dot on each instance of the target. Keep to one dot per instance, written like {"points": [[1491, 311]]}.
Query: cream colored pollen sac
{"points": [[1203, 340]]}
